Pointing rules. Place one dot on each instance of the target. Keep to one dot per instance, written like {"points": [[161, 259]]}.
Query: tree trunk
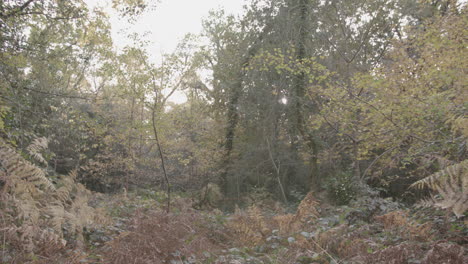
{"points": [[298, 96], [233, 115], [161, 156]]}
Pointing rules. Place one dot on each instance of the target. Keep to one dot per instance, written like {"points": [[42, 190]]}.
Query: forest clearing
{"points": [[290, 132]]}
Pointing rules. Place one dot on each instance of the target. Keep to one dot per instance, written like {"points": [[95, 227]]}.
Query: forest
{"points": [[313, 132]]}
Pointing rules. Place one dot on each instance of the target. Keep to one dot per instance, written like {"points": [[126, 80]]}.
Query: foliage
{"points": [[342, 188], [398, 119], [132, 8], [38, 145], [210, 196], [291, 101], [41, 217], [251, 227], [452, 184], [399, 221], [157, 237]]}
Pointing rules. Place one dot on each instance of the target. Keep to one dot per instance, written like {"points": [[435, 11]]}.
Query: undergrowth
{"points": [[40, 219], [53, 222], [158, 237]]}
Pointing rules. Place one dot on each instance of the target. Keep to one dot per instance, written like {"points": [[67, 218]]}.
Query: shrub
{"points": [[341, 188]]}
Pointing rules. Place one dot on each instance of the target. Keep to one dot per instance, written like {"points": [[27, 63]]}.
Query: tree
{"points": [[407, 106]]}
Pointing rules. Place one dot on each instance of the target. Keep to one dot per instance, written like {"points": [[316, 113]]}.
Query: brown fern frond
{"points": [[17, 166], [285, 223], [250, 228], [401, 222], [425, 203], [28, 210], [36, 211], [307, 209], [66, 183], [432, 181], [459, 123], [452, 185], [36, 147]]}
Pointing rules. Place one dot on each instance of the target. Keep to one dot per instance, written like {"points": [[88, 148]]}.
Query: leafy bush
{"points": [[341, 188]]}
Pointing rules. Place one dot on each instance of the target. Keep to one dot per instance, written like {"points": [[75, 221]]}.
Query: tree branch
{"points": [[17, 10]]}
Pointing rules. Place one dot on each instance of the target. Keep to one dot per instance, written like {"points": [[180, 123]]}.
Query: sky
{"points": [[166, 24]]}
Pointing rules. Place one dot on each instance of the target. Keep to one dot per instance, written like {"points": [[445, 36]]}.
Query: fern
{"points": [[17, 167], [36, 147], [36, 212], [66, 186], [452, 185], [249, 228], [307, 209], [305, 214], [286, 224]]}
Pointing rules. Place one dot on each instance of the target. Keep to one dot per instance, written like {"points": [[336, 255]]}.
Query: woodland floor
{"points": [[370, 230]]}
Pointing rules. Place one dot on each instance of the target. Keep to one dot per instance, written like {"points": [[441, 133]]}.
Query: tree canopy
{"points": [[343, 99]]}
